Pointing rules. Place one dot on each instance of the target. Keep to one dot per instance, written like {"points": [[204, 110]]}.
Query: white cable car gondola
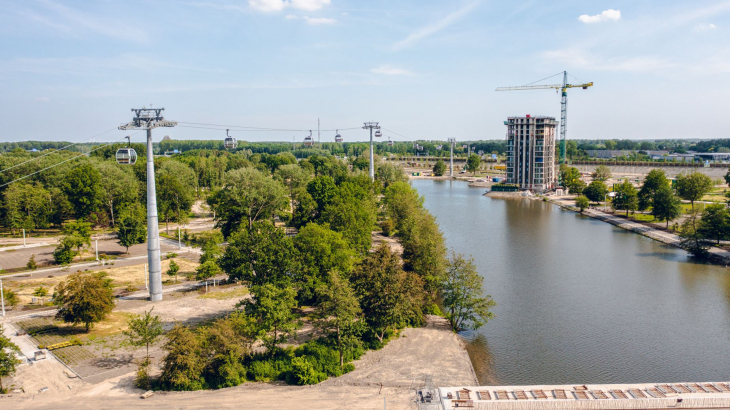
{"points": [[308, 140], [378, 134], [390, 142], [127, 156], [338, 137], [229, 142]]}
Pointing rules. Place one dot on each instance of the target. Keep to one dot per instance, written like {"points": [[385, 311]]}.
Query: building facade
{"points": [[531, 152]]}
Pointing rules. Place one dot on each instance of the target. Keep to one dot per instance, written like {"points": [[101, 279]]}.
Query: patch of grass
{"points": [[225, 294], [643, 217]]}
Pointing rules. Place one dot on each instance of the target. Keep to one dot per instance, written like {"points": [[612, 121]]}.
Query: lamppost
{"points": [[149, 119]]}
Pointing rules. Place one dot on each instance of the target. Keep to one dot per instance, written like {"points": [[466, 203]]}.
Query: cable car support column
{"points": [[371, 125], [153, 234], [148, 119]]}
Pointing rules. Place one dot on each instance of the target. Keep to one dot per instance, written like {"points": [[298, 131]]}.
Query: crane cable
{"points": [[57, 150], [64, 161]]}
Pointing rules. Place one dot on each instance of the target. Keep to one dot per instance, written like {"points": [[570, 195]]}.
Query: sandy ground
{"points": [[379, 239], [404, 362], [122, 276]]}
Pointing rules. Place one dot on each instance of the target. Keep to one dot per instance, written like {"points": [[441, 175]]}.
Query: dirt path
{"points": [[432, 350]]}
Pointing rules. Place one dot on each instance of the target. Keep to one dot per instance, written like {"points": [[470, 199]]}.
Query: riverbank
{"points": [[716, 255]]}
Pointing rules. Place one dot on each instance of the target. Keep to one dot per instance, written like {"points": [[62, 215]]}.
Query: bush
{"points": [[11, 298], [263, 371], [142, 379], [387, 226], [32, 265], [303, 372], [433, 309]]}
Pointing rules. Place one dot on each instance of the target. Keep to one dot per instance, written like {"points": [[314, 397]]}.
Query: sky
{"points": [[424, 69]]}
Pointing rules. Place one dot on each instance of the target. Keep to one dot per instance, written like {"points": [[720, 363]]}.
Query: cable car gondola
{"points": [[308, 140], [127, 156], [378, 134], [390, 142], [229, 142], [338, 137]]}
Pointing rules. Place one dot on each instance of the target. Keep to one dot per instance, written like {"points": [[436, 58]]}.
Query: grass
{"points": [[643, 217], [238, 292]]}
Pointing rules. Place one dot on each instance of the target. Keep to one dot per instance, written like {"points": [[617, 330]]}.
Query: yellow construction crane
{"points": [[563, 103]]}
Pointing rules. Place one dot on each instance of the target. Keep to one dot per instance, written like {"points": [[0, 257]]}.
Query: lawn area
{"points": [[238, 292], [643, 217]]}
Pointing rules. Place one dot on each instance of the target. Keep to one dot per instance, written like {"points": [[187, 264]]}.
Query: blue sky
{"points": [[424, 69]]}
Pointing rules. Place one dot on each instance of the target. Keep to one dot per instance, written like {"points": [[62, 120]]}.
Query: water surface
{"points": [[581, 301]]}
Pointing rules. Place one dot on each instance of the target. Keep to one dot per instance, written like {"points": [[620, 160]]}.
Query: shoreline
{"points": [[716, 255]]}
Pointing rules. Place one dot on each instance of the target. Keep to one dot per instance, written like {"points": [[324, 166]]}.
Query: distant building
{"points": [[531, 152]]}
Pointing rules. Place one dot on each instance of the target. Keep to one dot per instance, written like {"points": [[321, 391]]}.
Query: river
{"points": [[579, 300]]}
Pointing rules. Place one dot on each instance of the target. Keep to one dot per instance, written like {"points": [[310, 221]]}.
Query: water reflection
{"points": [[579, 300]]}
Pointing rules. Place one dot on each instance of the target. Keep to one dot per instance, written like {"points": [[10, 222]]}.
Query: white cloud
{"points": [[704, 27], [435, 27], [386, 69], [42, 99], [317, 21], [607, 15], [577, 58], [267, 5], [309, 5], [279, 5], [291, 17]]}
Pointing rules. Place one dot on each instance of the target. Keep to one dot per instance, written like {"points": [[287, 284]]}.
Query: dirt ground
{"points": [[404, 362], [122, 276]]}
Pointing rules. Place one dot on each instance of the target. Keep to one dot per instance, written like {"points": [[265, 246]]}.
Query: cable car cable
{"points": [[62, 162], [59, 149]]}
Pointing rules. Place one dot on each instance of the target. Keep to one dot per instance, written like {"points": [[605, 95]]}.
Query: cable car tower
{"points": [[563, 103], [149, 119]]}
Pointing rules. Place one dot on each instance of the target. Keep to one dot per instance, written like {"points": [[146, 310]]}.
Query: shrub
{"points": [[32, 265], [263, 371], [387, 226], [142, 378], [303, 372]]}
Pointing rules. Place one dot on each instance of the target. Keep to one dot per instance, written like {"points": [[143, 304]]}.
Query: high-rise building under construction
{"points": [[531, 152]]}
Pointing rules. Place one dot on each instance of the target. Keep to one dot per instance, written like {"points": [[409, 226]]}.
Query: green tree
{"points": [[388, 173], [8, 358], [40, 292], [320, 250], [173, 269], [424, 249], [10, 297], [389, 296], [27, 206], [654, 180], [248, 195], [439, 168], [65, 251], [462, 294], [272, 307], [176, 186], [691, 237], [144, 330], [209, 269], [337, 313], [352, 211], [571, 179], [262, 254], [610, 144], [184, 363], [727, 177], [626, 198], [118, 187], [401, 202], [602, 173], [582, 202], [294, 178], [715, 223], [83, 187], [693, 186], [472, 163], [32, 265], [211, 251], [132, 225], [77, 234], [665, 205], [84, 298], [596, 191]]}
